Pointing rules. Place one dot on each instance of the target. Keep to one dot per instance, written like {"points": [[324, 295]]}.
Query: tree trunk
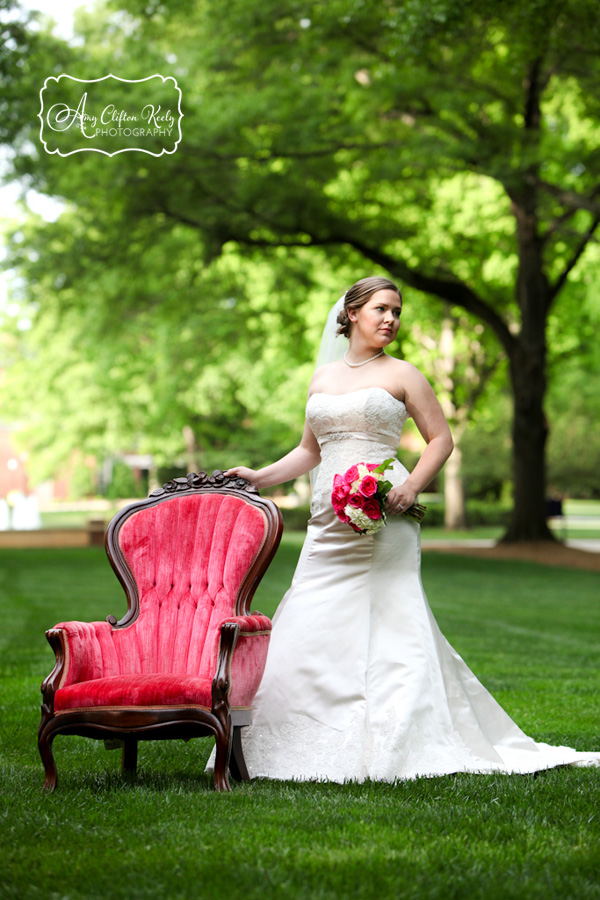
{"points": [[455, 516], [529, 433], [152, 477], [191, 449], [454, 495], [528, 357], [528, 376]]}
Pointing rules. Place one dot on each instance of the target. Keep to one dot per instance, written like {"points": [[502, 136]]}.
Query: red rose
{"points": [[356, 501], [372, 509], [368, 486], [351, 475]]}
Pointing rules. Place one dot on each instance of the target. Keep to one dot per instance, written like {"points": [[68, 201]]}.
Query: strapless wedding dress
{"points": [[360, 682]]}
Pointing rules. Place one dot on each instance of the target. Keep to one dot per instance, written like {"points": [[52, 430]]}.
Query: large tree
{"points": [[453, 145]]}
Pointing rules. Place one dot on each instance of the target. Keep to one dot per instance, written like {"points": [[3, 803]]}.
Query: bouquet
{"points": [[358, 497]]}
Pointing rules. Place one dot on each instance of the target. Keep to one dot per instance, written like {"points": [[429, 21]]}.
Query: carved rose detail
{"points": [[194, 481]]}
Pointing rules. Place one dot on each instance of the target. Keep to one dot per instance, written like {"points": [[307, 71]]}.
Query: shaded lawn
{"points": [[531, 633]]}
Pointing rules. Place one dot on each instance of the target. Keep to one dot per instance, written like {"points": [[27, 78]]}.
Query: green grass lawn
{"points": [[532, 634]]}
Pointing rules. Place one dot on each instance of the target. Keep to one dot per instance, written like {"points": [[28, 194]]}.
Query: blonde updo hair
{"points": [[358, 295]]}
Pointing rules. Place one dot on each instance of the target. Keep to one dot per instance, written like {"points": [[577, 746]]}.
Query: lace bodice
{"points": [[360, 426]]}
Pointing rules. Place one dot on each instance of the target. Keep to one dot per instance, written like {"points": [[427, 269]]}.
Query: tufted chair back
{"points": [[189, 558]]}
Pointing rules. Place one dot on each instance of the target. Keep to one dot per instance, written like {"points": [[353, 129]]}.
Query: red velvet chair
{"points": [[187, 658]]}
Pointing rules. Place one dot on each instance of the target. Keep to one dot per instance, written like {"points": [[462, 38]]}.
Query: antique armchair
{"points": [[187, 657]]}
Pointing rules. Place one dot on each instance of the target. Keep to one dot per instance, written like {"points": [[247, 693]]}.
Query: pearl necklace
{"points": [[364, 362]]}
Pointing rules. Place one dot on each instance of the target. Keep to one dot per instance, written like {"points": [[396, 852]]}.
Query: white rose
{"points": [[362, 521]]}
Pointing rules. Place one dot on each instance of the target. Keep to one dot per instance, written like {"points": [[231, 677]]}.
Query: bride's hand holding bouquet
{"points": [[399, 499]]}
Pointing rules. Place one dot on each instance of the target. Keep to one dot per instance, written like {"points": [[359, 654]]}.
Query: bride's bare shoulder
{"points": [[325, 376], [405, 369]]}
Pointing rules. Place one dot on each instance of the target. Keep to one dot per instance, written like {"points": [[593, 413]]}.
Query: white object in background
{"points": [[26, 514], [4, 515]]}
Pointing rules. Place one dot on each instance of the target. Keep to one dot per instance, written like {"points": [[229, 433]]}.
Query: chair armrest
{"points": [[84, 651], [252, 624], [241, 659]]}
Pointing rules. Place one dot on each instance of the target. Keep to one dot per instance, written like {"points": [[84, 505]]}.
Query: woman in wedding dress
{"points": [[359, 682]]}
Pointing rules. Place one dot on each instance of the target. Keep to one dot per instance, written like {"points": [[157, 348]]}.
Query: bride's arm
{"points": [[423, 406], [297, 462]]}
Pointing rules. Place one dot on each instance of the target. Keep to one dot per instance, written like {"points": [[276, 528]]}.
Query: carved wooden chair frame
{"points": [[130, 725]]}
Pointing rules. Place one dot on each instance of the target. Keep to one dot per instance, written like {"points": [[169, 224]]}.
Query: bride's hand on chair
{"points": [[400, 499], [242, 472]]}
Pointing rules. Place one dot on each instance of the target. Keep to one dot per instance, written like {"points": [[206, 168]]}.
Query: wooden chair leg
{"points": [[237, 763], [129, 757], [223, 742], [45, 739]]}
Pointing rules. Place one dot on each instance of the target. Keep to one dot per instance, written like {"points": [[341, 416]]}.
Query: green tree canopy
{"points": [[454, 146]]}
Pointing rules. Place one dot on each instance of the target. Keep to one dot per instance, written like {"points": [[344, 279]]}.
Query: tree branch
{"points": [[572, 199], [556, 224], [455, 292], [560, 281], [485, 372], [452, 291], [268, 154], [179, 217]]}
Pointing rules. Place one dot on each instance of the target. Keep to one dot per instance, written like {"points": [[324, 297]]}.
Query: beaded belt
{"points": [[374, 438]]}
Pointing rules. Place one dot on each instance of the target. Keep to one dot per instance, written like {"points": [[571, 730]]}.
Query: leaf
{"points": [[386, 464]]}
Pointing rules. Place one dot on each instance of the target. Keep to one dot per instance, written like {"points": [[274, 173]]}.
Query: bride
{"points": [[359, 682]]}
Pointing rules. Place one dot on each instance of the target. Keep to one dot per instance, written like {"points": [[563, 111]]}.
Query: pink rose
{"points": [[368, 486], [340, 493], [356, 501], [351, 475], [338, 481], [372, 509], [371, 466], [338, 503]]}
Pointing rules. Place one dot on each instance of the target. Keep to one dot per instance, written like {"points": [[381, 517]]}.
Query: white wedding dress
{"points": [[359, 682]]}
